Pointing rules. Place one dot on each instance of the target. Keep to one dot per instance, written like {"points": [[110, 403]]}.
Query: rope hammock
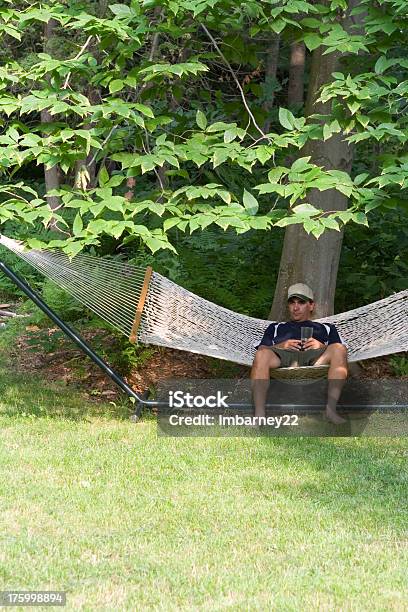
{"points": [[149, 308]]}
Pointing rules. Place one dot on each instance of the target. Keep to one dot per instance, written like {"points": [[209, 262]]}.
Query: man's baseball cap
{"points": [[301, 291]]}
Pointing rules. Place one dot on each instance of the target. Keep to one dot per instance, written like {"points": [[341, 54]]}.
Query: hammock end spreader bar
{"points": [[141, 303]]}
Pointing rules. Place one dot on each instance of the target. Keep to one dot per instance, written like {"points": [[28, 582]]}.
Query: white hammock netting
{"points": [[177, 318]]}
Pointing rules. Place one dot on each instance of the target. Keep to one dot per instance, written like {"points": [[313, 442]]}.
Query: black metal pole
{"points": [[75, 337]]}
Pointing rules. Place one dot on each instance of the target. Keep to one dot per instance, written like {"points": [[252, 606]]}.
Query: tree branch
{"points": [[78, 55], [241, 91]]}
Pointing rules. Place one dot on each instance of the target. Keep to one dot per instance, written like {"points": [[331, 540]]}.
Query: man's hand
{"points": [[312, 343], [293, 345]]}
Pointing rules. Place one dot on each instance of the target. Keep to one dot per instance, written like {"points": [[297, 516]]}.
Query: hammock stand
{"points": [[77, 339]]}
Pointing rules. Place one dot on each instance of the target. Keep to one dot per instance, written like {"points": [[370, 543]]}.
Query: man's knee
{"points": [[264, 356], [261, 356], [338, 356], [340, 351]]}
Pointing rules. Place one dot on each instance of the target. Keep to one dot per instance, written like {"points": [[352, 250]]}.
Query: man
{"points": [[281, 346]]}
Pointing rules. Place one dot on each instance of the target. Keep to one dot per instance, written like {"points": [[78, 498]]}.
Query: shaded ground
{"points": [[48, 352]]}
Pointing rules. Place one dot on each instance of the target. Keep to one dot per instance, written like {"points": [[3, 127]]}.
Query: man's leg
{"points": [[336, 356], [265, 359]]}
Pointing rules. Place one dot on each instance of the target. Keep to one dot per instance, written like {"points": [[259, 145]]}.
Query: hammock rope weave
{"points": [[176, 318]]}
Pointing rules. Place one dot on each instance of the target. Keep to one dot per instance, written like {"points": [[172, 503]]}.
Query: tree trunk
{"points": [[296, 75], [304, 258], [271, 67], [51, 176]]}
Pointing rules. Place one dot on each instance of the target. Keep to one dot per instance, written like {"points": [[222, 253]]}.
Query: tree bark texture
{"points": [[296, 75], [271, 67]]}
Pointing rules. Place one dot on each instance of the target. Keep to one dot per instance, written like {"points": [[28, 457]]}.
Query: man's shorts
{"points": [[292, 358]]}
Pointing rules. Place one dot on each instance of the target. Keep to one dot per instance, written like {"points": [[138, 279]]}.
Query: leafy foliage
{"points": [[123, 92], [399, 365]]}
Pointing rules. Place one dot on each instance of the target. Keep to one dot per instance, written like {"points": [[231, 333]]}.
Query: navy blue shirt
{"points": [[279, 332]]}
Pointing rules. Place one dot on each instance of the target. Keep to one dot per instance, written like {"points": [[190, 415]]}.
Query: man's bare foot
{"points": [[333, 416]]}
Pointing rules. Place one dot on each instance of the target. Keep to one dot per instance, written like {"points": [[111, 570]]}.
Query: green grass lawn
{"points": [[122, 519]]}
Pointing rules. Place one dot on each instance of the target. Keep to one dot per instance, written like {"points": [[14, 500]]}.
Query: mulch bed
{"points": [[68, 364]]}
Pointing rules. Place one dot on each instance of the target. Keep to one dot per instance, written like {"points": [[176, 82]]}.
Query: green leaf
{"points": [[157, 208], [201, 120], [275, 174], [115, 203], [305, 210], [312, 41], [250, 202], [78, 225], [311, 22], [382, 64], [169, 223], [309, 225], [147, 165], [346, 190], [224, 195], [103, 176], [278, 25], [230, 135], [353, 106], [121, 10], [272, 188], [286, 118], [360, 218], [30, 140], [345, 216], [96, 209], [116, 85], [11, 31], [326, 132], [330, 223], [301, 164], [34, 243], [73, 248], [360, 178], [264, 153], [197, 158], [220, 126], [219, 157], [161, 139], [154, 244], [288, 221], [115, 180], [261, 223], [145, 110], [318, 231]]}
